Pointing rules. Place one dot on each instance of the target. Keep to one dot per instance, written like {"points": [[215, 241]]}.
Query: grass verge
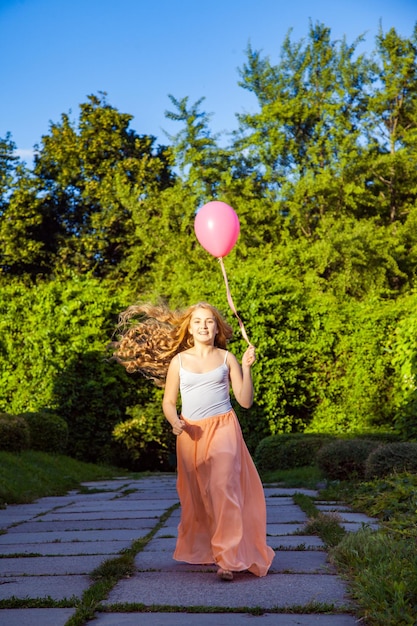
{"points": [[381, 566], [30, 475], [382, 571]]}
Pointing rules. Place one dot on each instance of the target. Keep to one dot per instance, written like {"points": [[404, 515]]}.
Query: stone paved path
{"points": [[49, 548]]}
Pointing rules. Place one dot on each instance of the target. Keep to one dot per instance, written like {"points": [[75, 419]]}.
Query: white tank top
{"points": [[204, 395]]}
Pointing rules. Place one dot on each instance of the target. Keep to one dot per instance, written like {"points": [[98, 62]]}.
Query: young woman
{"points": [[223, 513]]}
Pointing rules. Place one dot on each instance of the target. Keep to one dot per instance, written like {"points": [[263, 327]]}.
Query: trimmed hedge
{"points": [[345, 459], [14, 433], [382, 437], [48, 431], [391, 458], [286, 451]]}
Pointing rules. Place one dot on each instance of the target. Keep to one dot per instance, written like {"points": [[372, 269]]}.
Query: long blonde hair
{"points": [[149, 336]]}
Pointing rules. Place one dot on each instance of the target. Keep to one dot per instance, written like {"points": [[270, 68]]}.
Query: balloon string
{"points": [[230, 301]]}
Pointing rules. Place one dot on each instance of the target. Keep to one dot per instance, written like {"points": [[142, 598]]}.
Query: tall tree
{"points": [[8, 162], [24, 239], [307, 131], [78, 180], [392, 126], [22, 249], [197, 154]]}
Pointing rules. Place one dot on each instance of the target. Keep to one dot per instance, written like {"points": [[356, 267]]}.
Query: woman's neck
{"points": [[202, 351]]}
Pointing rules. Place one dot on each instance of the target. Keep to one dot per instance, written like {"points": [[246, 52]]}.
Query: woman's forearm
{"points": [[246, 392], [170, 412]]}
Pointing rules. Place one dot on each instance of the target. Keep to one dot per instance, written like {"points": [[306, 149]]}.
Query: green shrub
{"points": [[145, 440], [393, 457], [281, 452], [48, 431], [345, 459], [14, 433], [380, 437], [92, 395]]}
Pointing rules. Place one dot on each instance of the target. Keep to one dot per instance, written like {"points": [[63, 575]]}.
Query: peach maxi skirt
{"points": [[223, 512]]}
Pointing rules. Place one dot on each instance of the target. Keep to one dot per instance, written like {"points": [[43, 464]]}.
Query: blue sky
{"points": [[54, 53]]}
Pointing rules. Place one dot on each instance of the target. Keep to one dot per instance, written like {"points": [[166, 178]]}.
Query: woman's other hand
{"points": [[178, 427], [249, 357]]}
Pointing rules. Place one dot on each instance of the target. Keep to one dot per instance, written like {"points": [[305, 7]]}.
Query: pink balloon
{"points": [[217, 228]]}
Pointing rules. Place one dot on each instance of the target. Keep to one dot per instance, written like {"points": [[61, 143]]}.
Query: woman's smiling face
{"points": [[203, 324]]}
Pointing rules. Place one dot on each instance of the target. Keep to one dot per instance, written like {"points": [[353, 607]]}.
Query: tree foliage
{"points": [[70, 209]]}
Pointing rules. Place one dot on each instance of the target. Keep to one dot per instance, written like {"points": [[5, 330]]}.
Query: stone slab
{"points": [[285, 515], [119, 506], [205, 589], [283, 529], [281, 500], [100, 515], [28, 510], [358, 518], [331, 508], [219, 619], [35, 617], [301, 562], [162, 544], [51, 502], [76, 547], [144, 483], [353, 527], [55, 587], [299, 542], [155, 485], [154, 492], [51, 565], [167, 531], [112, 483], [8, 519], [73, 536], [293, 561], [289, 512], [101, 524], [109, 485], [165, 563]]}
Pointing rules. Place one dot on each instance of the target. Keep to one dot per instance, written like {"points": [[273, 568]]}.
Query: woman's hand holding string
{"points": [[249, 357]]}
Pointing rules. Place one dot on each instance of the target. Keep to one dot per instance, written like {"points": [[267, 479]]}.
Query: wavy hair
{"points": [[149, 336]]}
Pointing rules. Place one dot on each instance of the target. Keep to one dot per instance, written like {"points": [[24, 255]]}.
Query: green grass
{"points": [[303, 477], [381, 566], [324, 525], [30, 475], [382, 571]]}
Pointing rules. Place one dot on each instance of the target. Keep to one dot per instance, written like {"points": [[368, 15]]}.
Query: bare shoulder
{"points": [[230, 359], [174, 365]]}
